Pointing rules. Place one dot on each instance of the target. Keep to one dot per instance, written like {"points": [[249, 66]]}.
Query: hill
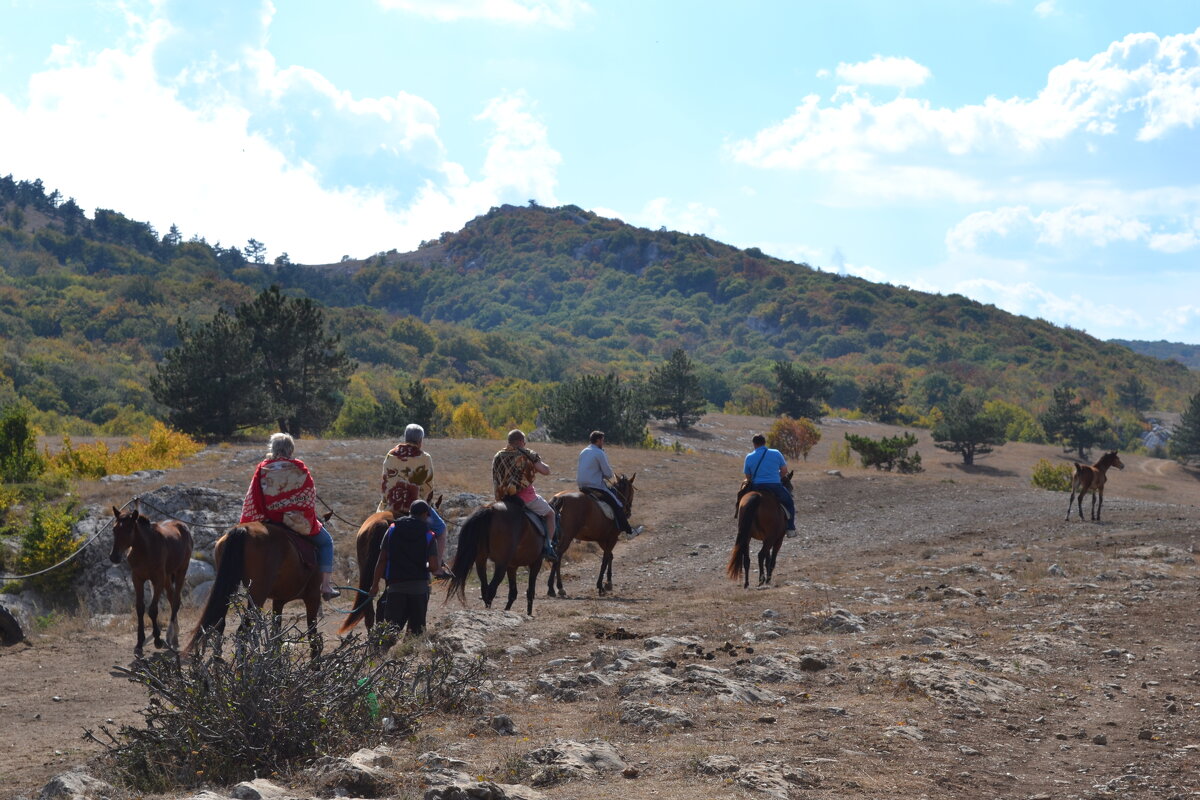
{"points": [[520, 297], [1186, 354]]}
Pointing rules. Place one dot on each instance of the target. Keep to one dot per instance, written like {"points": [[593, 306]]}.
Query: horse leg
{"points": [[1096, 506], [550, 579], [156, 587], [512, 587], [771, 556], [139, 591], [312, 605], [762, 563], [492, 586], [609, 558], [529, 593], [174, 599]]}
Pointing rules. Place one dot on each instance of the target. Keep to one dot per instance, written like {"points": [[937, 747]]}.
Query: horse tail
{"points": [[476, 526], [229, 575], [366, 575], [746, 514]]}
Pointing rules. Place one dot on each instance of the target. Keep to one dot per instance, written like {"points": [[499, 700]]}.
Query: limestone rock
{"points": [[77, 785]]}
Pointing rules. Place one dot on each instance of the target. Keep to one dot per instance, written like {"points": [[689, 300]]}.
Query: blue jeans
{"points": [[785, 498], [324, 544]]}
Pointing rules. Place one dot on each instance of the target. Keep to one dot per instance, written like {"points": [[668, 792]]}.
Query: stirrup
{"points": [[330, 595]]}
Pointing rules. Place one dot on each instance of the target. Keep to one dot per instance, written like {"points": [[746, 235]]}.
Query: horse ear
{"points": [[116, 513], [631, 477]]}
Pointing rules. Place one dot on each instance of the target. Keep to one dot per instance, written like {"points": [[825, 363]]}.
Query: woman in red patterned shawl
{"points": [[282, 491]]}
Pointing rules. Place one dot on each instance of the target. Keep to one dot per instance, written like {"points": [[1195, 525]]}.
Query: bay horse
{"points": [[502, 533], [367, 544], [760, 516], [158, 552], [1092, 479], [582, 518], [262, 557]]}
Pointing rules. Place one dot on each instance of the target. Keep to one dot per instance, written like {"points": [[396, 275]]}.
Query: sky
{"points": [[1040, 155]]}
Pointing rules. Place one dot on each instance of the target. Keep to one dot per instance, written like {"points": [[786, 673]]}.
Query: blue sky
{"points": [[1035, 154]]}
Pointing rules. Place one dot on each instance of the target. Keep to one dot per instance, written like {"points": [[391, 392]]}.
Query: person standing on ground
{"points": [[407, 477], [407, 556], [765, 469], [594, 472]]}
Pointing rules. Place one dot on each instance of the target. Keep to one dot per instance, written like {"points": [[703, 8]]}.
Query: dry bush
{"points": [[795, 438]]}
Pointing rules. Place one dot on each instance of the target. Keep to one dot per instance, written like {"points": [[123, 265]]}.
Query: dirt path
{"points": [[1003, 652]]}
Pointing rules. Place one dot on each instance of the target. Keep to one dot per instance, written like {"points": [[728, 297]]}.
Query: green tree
{"points": [[578, 406], [801, 392], [1065, 422], [1134, 393], [1185, 438], [1019, 424], [887, 452], [303, 368], [20, 461], [674, 391], [211, 381], [967, 429], [881, 398], [419, 407], [255, 251]]}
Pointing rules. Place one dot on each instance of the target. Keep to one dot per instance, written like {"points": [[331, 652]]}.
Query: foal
{"points": [[159, 552], [1092, 479]]}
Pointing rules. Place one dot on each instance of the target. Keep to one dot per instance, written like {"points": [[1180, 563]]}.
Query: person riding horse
{"points": [[282, 491], [407, 476], [593, 473], [765, 469], [513, 471]]}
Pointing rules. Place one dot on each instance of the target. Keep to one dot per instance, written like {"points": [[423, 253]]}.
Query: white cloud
{"points": [[1046, 8], [902, 73], [1155, 81], [692, 217], [556, 13], [965, 237], [1070, 225], [108, 129], [1179, 242]]}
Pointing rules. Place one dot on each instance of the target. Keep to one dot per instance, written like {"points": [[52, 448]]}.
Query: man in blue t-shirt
{"points": [[765, 469], [407, 555]]}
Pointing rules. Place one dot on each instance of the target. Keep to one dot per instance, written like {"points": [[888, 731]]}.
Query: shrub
{"points": [[19, 459], [839, 455], [1052, 477], [270, 707], [165, 448], [887, 453], [795, 438], [468, 422], [48, 539]]}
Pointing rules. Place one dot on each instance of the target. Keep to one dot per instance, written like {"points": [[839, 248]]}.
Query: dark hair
{"points": [[418, 508], [515, 435], [759, 440], [596, 436]]}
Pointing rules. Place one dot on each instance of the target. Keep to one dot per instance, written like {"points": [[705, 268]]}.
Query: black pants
{"points": [[404, 610]]}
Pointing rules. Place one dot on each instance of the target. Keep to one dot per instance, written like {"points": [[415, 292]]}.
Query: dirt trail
{"points": [[965, 579]]}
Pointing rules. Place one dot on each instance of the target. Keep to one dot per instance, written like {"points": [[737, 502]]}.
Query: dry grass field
{"points": [[940, 635]]}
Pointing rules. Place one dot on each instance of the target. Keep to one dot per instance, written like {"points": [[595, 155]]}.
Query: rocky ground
{"points": [[941, 635]]}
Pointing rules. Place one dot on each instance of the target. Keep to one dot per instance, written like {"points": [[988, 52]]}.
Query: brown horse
{"points": [[366, 547], [263, 557], [158, 552], [502, 533], [1092, 479], [582, 518], [760, 516]]}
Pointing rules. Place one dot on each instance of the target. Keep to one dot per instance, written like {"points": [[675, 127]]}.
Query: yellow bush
{"points": [[165, 448], [795, 438], [839, 455], [468, 422], [48, 540], [1052, 477]]}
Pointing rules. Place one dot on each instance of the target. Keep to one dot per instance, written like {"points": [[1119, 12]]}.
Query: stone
{"points": [[357, 776], [842, 621], [571, 760], [258, 789], [652, 717], [77, 785]]}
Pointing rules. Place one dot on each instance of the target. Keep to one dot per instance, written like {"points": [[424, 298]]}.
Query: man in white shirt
{"points": [[593, 471]]}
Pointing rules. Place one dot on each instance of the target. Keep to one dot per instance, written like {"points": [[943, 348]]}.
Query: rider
{"points": [[593, 472], [406, 556], [408, 475], [282, 491], [512, 475], [765, 468]]}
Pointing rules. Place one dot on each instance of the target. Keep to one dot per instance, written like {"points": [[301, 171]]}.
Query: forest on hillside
{"points": [[497, 314]]}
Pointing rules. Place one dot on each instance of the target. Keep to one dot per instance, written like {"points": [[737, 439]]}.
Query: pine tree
{"points": [[881, 397], [1185, 438], [967, 429], [674, 391], [801, 391], [1066, 423], [578, 406]]}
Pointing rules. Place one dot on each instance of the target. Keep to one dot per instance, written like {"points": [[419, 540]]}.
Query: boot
{"points": [[327, 590]]}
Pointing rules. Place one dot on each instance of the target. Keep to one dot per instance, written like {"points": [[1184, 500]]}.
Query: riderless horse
{"points": [[158, 552], [1092, 479]]}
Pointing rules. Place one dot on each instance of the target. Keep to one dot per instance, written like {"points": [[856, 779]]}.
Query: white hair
{"points": [[282, 445], [414, 434]]}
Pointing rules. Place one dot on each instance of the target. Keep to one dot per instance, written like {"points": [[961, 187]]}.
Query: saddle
{"points": [[746, 487], [306, 549], [602, 497], [538, 523]]}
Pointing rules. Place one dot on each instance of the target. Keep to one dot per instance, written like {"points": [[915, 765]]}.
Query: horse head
{"points": [[1111, 459], [625, 490], [123, 529], [787, 480]]}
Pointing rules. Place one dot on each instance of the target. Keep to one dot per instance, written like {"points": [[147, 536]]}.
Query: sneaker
{"points": [[636, 531], [330, 593], [790, 533]]}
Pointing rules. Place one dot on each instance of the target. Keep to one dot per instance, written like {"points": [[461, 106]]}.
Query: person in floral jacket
{"points": [[408, 477]]}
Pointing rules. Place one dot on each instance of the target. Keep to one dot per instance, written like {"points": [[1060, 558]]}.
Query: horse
{"points": [[502, 533], [158, 552], [263, 557], [1092, 479], [582, 518], [367, 543], [760, 516]]}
